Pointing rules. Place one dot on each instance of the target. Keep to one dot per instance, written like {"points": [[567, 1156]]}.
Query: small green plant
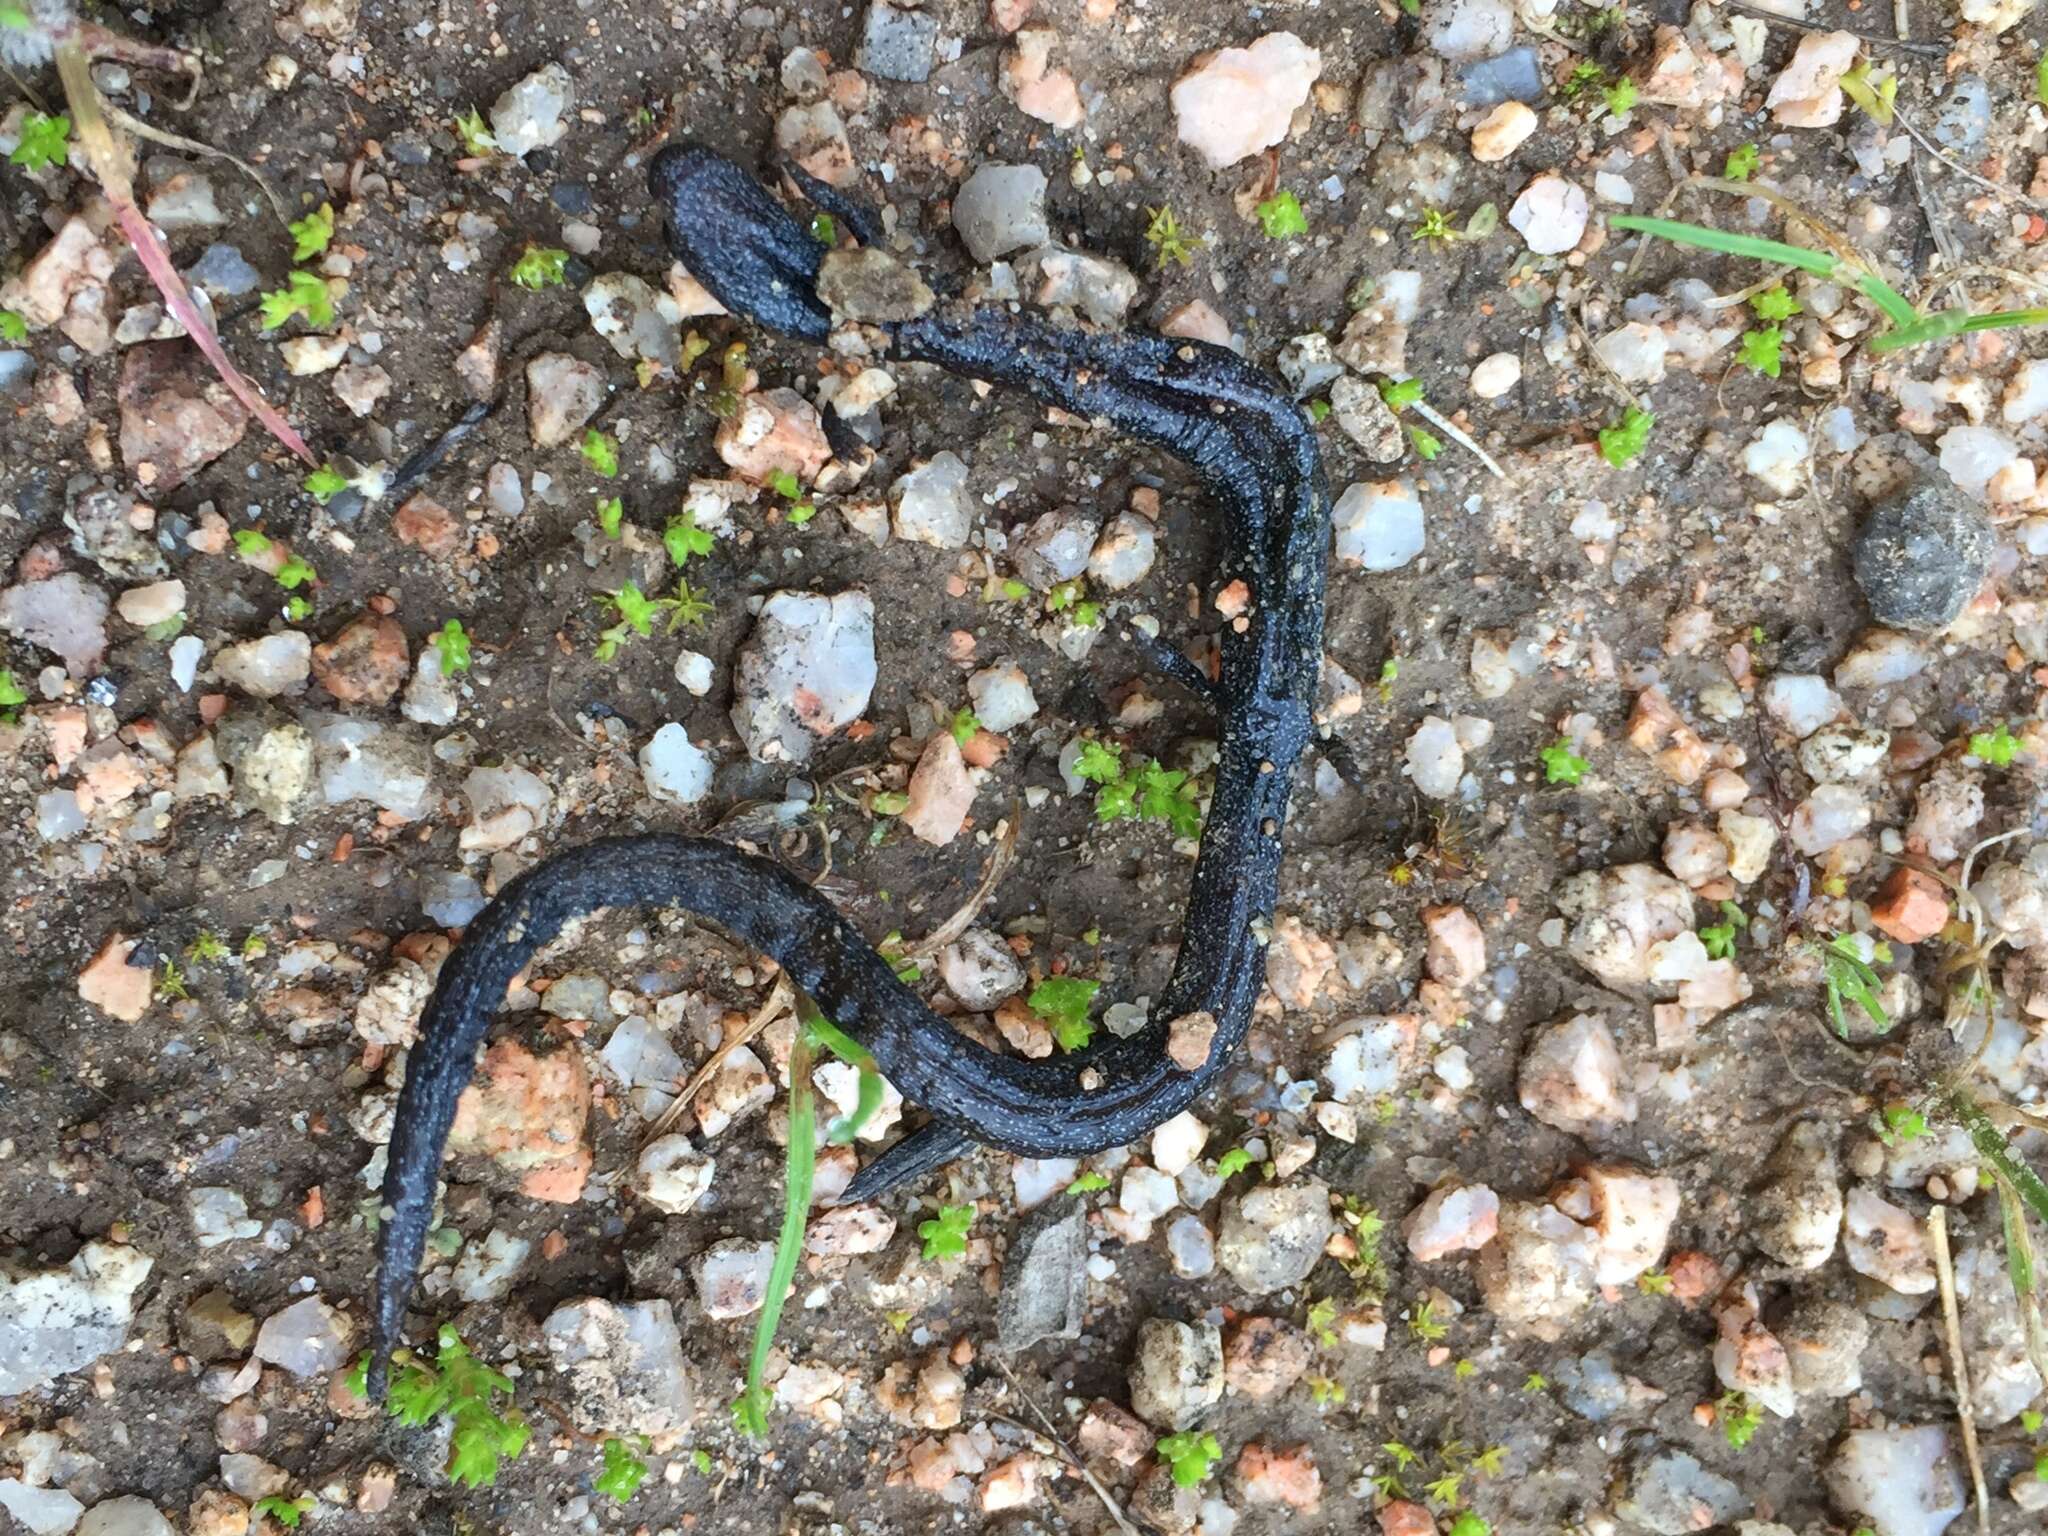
{"points": [[1848, 974], [1998, 746], [1070, 597], [1535, 1381], [1404, 1456], [1281, 217], [1189, 1457], [1586, 77], [1169, 243], [1740, 1418], [1776, 303], [824, 229], [1434, 227], [624, 1471], [1719, 938], [170, 984], [295, 573], [963, 726], [1322, 1322], [684, 540], [45, 140], [325, 483], [286, 1512], [1088, 1183], [1425, 443], [475, 134], [1399, 394], [1654, 1282], [1900, 1123], [611, 517], [311, 235], [945, 1235], [1368, 1267], [1445, 1489], [1561, 765], [1232, 1163], [1140, 789], [206, 948], [451, 645], [600, 453], [304, 293], [1623, 443], [1876, 94], [12, 326], [1763, 350], [541, 266], [1426, 1325], [637, 613], [12, 697], [701, 1460], [1620, 96], [1326, 1391], [462, 1389], [1741, 163], [1469, 1524], [1062, 1002]]}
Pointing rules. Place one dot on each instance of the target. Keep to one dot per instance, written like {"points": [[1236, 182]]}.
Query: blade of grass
{"points": [[750, 1411], [1729, 243], [868, 1096], [113, 167], [1992, 1146]]}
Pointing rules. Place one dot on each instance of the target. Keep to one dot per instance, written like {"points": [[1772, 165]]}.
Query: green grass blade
{"points": [[750, 1413], [1992, 1146], [1999, 319], [2019, 1247], [1729, 243], [1897, 308], [868, 1096]]}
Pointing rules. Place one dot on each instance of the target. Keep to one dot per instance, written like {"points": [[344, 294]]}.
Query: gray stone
{"points": [[1045, 1277], [1591, 1387], [308, 1338], [1273, 1234], [222, 268], [872, 286], [1001, 208], [1514, 76], [17, 376], [1176, 1372], [624, 1365], [1922, 554], [897, 43], [1964, 120], [57, 1320], [531, 114], [1670, 1493]]}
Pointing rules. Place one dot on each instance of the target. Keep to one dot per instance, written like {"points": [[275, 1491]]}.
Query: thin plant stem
{"points": [[750, 1412]]}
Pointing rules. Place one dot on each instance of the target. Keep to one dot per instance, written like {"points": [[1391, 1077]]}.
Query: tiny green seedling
{"points": [[1425, 443], [684, 540], [1068, 597], [1469, 1524], [1561, 765], [945, 1235], [170, 984], [1719, 938], [1399, 394], [1322, 1321], [1434, 227], [600, 453], [311, 235], [1444, 1490], [1899, 1124], [463, 1390], [325, 483], [611, 517], [1088, 1183], [1062, 1002], [12, 697], [1535, 1381], [1232, 1163], [1763, 350], [286, 1512], [1139, 790], [541, 266], [701, 1460], [963, 727], [623, 1471], [45, 140], [637, 613], [1877, 95], [12, 326], [475, 134], [1426, 1325], [304, 293], [1169, 243], [1281, 217], [1741, 163], [451, 646], [296, 573], [1326, 1391], [1847, 974], [1623, 443], [1654, 1282], [1998, 746], [206, 948], [1620, 96], [1189, 1457], [1404, 1456], [824, 229], [1740, 1419]]}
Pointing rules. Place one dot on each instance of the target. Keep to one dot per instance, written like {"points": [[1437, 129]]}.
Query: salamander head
{"points": [[739, 242]]}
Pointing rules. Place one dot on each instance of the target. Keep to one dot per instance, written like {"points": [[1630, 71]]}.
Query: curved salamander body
{"points": [[1258, 457]]}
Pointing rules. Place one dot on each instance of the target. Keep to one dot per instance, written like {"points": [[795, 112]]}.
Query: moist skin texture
{"points": [[1256, 453]]}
